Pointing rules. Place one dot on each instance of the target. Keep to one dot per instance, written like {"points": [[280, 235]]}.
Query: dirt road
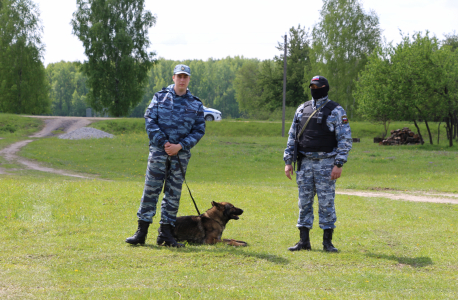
{"points": [[61, 124], [68, 124], [65, 124], [405, 196]]}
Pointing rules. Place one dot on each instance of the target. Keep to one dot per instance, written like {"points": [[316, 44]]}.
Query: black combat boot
{"points": [[165, 236], [304, 243], [139, 237], [327, 238]]}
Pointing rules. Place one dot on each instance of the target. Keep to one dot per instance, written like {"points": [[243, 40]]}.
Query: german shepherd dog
{"points": [[209, 226]]}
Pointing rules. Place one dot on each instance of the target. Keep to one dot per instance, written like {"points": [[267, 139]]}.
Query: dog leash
{"points": [[182, 172]]}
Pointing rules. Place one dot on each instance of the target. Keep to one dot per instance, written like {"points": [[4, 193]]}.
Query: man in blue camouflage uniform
{"points": [[322, 149], [174, 123]]}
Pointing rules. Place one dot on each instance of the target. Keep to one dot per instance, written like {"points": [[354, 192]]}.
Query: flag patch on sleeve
{"points": [[344, 119]]}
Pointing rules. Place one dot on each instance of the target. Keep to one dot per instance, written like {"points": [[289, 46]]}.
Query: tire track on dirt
{"points": [[405, 196], [65, 124], [9, 153]]}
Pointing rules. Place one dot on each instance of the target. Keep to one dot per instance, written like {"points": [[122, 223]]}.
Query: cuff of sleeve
{"points": [[161, 143], [182, 146], [339, 162], [288, 162]]}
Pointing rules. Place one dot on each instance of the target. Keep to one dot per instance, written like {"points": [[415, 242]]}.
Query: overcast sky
{"points": [[202, 29]]}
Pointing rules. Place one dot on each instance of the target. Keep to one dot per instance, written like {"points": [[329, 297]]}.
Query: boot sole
{"points": [[178, 245], [300, 250], [143, 244], [135, 243], [331, 251], [307, 249], [167, 244]]}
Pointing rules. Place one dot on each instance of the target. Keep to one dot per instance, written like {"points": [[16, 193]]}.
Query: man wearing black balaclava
{"points": [[320, 139]]}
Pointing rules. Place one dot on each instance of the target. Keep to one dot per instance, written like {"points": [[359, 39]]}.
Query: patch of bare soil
{"points": [[406, 196], [60, 124], [63, 124]]}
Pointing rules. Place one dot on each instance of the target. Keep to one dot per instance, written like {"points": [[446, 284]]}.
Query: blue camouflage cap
{"points": [[182, 69]]}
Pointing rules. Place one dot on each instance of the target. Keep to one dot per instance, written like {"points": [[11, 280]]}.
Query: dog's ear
{"points": [[216, 204]]}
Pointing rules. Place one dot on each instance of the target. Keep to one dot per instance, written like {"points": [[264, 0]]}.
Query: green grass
{"points": [[17, 127], [231, 154], [64, 238]]}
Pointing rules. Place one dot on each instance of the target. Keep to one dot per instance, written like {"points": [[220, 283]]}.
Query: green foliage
{"points": [[376, 101], [211, 81], [298, 64], [259, 85], [416, 80], [8, 128], [115, 38], [68, 89], [23, 85], [451, 40], [342, 40], [247, 90]]}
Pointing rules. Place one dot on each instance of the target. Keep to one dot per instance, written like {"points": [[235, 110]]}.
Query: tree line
{"points": [[23, 85], [212, 82], [416, 80]]}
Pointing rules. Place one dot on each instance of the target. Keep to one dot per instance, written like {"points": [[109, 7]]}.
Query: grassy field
{"points": [[246, 153], [64, 238]]}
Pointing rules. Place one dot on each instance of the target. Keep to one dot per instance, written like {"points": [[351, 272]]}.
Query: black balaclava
{"points": [[319, 93]]}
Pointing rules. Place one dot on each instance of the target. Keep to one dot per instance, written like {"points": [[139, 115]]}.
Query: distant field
{"points": [[251, 152], [64, 237]]}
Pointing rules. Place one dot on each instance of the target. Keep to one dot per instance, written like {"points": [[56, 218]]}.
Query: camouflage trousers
{"points": [[156, 174], [314, 177]]}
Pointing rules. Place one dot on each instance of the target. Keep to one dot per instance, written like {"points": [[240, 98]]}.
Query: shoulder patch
{"points": [[197, 98], [344, 119], [164, 90]]}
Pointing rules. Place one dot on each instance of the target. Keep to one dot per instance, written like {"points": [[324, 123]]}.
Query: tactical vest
{"points": [[317, 137]]}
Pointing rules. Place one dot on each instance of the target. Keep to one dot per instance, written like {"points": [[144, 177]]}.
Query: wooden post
{"points": [[284, 92]]}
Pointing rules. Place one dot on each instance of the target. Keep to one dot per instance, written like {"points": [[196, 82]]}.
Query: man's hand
{"points": [[172, 149], [336, 172], [289, 171]]}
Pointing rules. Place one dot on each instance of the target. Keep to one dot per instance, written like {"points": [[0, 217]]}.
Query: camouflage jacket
{"points": [[174, 119], [337, 122]]}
